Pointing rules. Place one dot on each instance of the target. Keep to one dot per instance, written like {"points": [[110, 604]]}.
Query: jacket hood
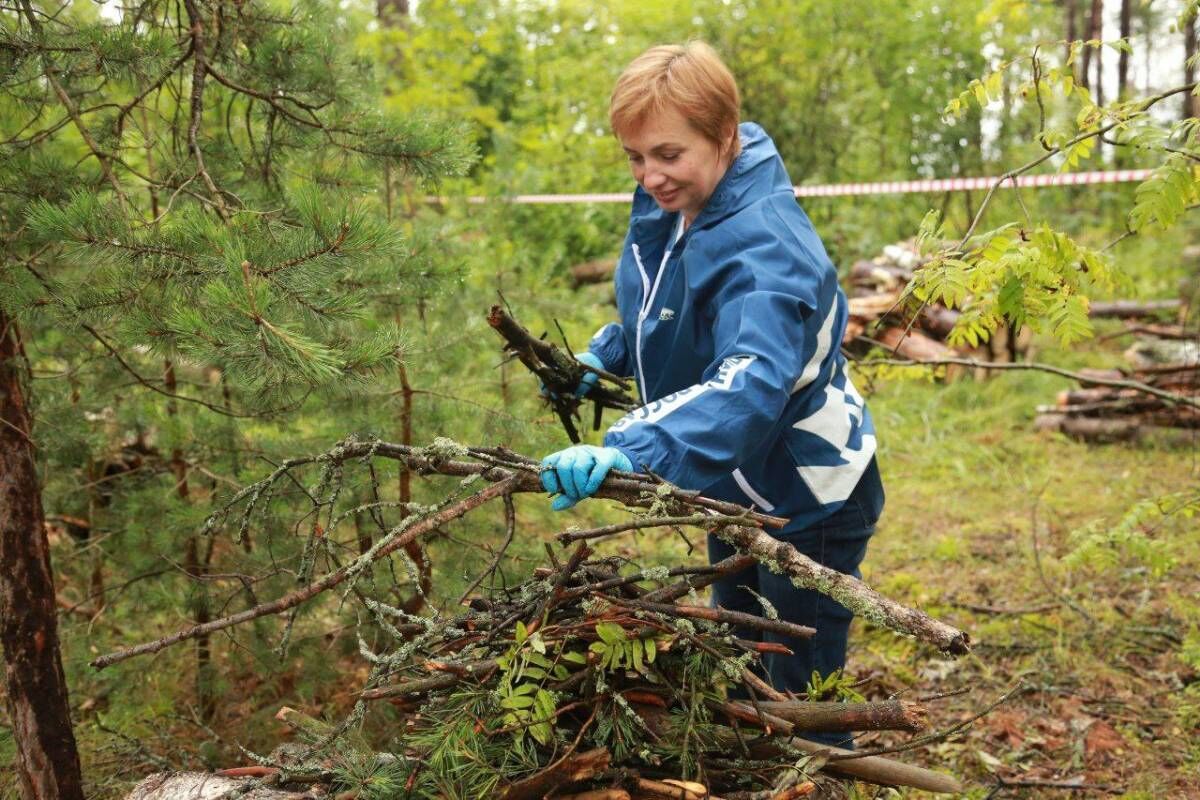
{"points": [[756, 172]]}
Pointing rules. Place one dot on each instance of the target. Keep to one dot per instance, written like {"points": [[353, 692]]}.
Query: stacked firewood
{"points": [[877, 316], [1114, 404]]}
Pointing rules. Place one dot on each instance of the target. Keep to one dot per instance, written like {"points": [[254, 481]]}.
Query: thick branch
{"points": [[721, 615], [1087, 380], [889, 715], [847, 590]]}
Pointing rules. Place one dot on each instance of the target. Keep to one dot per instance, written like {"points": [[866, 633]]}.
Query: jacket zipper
{"points": [[648, 293]]}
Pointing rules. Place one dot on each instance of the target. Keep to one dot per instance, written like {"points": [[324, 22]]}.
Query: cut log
{"points": [[1091, 429], [938, 320], [1149, 353], [916, 345], [1076, 397], [873, 306], [671, 791], [879, 277]]}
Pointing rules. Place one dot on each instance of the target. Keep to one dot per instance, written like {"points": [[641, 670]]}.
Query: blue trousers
{"points": [[838, 542]]}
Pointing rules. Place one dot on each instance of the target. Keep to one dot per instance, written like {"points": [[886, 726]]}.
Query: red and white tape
{"points": [[882, 187]]}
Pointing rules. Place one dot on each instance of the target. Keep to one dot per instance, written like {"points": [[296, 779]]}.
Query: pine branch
{"points": [[396, 539], [68, 103], [199, 73]]}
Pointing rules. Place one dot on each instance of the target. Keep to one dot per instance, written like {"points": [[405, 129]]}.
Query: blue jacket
{"points": [[735, 347]]}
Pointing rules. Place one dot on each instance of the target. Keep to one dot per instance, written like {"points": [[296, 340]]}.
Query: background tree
{"points": [[185, 214]]}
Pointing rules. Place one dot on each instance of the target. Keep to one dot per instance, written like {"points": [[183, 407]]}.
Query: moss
{"points": [[444, 449]]}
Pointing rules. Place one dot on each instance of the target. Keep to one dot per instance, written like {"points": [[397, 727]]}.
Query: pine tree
{"points": [[188, 216]]}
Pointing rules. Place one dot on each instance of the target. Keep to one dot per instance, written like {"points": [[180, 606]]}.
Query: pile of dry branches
{"points": [[593, 677]]}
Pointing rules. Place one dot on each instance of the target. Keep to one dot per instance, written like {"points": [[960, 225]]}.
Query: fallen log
{"points": [[873, 306], [1092, 429]]}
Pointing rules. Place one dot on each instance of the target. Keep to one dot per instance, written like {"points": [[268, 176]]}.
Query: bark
{"points": [[1092, 429], [847, 590], [47, 762], [560, 373], [1093, 32], [874, 769], [1070, 13], [722, 615], [392, 12], [413, 550], [889, 715], [570, 769], [201, 786]]}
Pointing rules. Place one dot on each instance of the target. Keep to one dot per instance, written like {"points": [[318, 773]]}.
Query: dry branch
{"points": [[560, 373], [847, 590]]}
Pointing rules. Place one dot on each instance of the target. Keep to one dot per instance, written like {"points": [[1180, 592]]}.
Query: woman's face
{"points": [[679, 166]]}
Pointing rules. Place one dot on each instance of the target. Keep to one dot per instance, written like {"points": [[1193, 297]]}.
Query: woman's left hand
{"points": [[577, 472]]}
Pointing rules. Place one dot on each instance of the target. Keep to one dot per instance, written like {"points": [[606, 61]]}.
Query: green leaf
{"points": [[610, 632]]}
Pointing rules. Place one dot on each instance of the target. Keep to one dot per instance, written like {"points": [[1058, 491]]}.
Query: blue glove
{"points": [[589, 378], [578, 471]]}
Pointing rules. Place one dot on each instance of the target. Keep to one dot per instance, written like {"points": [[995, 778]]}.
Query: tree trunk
{"points": [[1189, 71], [1094, 29], [1123, 58], [392, 12], [196, 567], [1099, 86], [1070, 13], [47, 762]]}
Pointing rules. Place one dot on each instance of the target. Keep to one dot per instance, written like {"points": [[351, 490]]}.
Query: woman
{"points": [[731, 317]]}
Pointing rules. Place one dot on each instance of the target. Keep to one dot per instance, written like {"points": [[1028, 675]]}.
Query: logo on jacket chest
{"points": [[666, 315]]}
